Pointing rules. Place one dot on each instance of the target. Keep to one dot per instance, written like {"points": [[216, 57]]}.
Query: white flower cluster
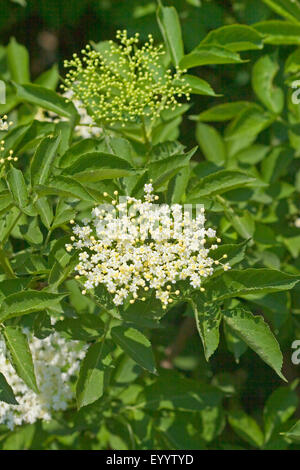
{"points": [[55, 361], [297, 222], [135, 246]]}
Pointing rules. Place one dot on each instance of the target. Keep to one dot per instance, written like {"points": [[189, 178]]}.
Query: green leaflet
{"points": [[211, 143], [264, 71], [97, 166], [257, 335], [43, 160], [86, 327], [209, 55], [136, 345], [23, 303], [94, 373], [208, 320], [171, 31], [65, 186], [246, 427], [235, 38], [163, 170], [234, 283], [47, 99], [6, 392], [220, 182], [280, 406], [18, 62], [17, 186], [278, 32], [17, 344]]}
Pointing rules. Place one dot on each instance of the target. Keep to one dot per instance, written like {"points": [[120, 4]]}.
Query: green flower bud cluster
{"points": [[124, 83]]}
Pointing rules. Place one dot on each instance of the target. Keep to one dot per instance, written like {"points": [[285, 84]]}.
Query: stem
{"points": [[106, 328], [147, 140], [5, 263], [47, 238]]}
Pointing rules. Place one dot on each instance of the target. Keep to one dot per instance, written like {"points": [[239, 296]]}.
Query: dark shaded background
{"points": [[54, 29]]}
